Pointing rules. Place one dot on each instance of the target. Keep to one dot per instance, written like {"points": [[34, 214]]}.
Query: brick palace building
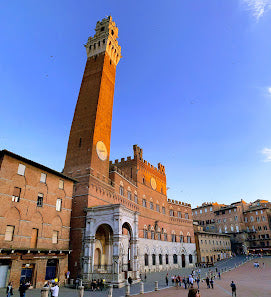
{"points": [[35, 216], [122, 221]]}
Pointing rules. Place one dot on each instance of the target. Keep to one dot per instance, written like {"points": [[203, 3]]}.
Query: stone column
{"points": [[116, 258], [45, 291], [81, 291], [127, 290], [89, 247], [187, 260], [141, 287]]}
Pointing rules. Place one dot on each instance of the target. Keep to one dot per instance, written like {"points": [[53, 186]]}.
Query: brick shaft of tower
{"points": [[93, 114]]}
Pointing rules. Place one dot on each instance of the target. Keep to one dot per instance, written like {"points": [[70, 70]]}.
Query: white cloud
{"points": [[267, 153], [257, 7], [269, 90]]}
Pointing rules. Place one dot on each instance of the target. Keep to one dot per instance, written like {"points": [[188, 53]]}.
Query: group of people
{"points": [[192, 282], [22, 288], [97, 285], [54, 288]]}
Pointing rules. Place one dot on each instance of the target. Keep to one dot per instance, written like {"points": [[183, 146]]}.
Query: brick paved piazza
{"points": [[250, 282]]}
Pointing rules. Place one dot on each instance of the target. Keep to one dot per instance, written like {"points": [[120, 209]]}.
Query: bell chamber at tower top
{"points": [[105, 40]]}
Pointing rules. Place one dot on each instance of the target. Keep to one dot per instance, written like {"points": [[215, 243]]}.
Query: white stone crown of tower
{"points": [[105, 40]]}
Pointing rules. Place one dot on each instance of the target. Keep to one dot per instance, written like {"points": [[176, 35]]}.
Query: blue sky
{"points": [[193, 88]]}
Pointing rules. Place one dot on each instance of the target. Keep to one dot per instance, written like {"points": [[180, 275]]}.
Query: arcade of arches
{"points": [[113, 251]]}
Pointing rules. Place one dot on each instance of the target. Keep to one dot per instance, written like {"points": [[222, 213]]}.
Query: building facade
{"points": [[35, 221], [258, 226], [211, 246], [122, 221], [248, 224]]}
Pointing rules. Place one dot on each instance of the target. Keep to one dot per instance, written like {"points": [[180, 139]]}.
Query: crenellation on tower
{"points": [[105, 40]]}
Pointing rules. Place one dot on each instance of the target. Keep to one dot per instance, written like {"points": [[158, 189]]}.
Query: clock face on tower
{"points": [[101, 150], [153, 183]]}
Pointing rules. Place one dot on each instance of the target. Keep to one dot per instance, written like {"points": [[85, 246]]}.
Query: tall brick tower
{"points": [[89, 141]]}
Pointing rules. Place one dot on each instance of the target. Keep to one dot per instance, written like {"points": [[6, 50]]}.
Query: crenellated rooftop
{"points": [[176, 202]]}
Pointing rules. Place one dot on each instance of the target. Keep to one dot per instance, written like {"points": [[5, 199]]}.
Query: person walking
{"points": [[208, 282], [197, 281], [55, 290], [184, 282], [9, 289], [212, 283], [167, 280], [233, 289], [23, 287]]}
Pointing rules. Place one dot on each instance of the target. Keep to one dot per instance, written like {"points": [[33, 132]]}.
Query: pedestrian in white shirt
{"points": [[55, 290]]}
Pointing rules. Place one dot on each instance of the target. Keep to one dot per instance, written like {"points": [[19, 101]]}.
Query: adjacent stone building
{"points": [[122, 220], [258, 226], [35, 216], [248, 224], [211, 246]]}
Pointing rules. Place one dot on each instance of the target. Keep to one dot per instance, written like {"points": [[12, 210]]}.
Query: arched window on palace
{"points": [[160, 259], [153, 259], [145, 233], [190, 259], [166, 259], [188, 238], [175, 259], [146, 257]]}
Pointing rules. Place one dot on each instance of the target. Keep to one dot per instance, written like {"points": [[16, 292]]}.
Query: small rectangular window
{"points": [[171, 213], [43, 178], [9, 233], [58, 204], [136, 200], [40, 200], [179, 214], [55, 237], [144, 202], [186, 215], [151, 205], [21, 169], [61, 184], [157, 207], [16, 194], [163, 210]]}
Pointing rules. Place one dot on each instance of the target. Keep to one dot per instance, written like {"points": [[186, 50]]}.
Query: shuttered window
{"points": [[21, 169], [55, 237], [43, 178], [61, 184], [9, 233], [58, 204], [16, 194]]}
